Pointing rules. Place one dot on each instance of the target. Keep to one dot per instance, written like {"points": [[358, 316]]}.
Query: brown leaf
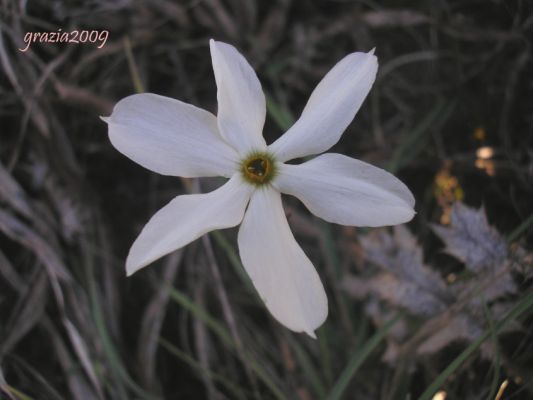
{"points": [[485, 288], [406, 281], [472, 240], [398, 292], [459, 328], [401, 255]]}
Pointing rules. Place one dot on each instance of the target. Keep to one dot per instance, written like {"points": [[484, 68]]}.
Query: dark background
{"points": [[454, 77]]}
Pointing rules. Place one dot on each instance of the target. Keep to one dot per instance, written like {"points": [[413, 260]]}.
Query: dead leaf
{"points": [[485, 288], [401, 255], [397, 292], [407, 281], [404, 281], [460, 327], [472, 240]]}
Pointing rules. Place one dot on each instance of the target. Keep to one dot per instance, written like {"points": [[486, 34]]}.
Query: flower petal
{"points": [[347, 191], [330, 109], [241, 102], [170, 137], [186, 218], [280, 271]]}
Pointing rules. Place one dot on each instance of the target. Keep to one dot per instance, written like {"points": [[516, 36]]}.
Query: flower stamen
{"points": [[258, 168]]}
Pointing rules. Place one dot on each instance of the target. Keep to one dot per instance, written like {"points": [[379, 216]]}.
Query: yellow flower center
{"points": [[258, 168]]}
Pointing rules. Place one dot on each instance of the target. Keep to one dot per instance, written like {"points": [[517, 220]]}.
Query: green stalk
{"points": [[524, 305]]}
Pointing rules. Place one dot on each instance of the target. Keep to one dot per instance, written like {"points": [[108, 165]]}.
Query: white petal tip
{"points": [[412, 214], [105, 119], [311, 334], [371, 52], [130, 270], [403, 216], [132, 267]]}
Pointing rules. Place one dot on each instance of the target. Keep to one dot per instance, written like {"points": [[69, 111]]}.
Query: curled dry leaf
{"points": [[399, 292], [405, 282], [472, 240], [482, 249]]}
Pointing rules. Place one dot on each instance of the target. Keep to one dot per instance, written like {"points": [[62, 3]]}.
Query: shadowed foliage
{"points": [[444, 303]]}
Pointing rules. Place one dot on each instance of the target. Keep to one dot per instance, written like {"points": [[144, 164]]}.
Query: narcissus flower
{"points": [[174, 138]]}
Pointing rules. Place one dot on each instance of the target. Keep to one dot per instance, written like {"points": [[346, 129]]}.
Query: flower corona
{"points": [[259, 168]]}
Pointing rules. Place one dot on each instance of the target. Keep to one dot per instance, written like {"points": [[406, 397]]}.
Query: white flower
{"points": [[175, 138]]}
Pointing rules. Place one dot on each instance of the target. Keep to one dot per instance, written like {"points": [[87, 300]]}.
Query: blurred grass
{"points": [[520, 230], [70, 202], [233, 388], [18, 393], [525, 304], [357, 359], [416, 140], [225, 337]]}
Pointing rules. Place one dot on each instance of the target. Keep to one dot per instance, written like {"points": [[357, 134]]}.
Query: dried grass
{"points": [[454, 76]]}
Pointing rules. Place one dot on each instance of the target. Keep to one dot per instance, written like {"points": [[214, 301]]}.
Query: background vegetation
{"points": [[441, 307]]}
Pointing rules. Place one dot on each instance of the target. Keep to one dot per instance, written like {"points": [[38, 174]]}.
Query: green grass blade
{"points": [[235, 390], [520, 229], [325, 354], [132, 65], [217, 328], [497, 358], [109, 348], [416, 140], [282, 117], [114, 358], [330, 249], [201, 314], [308, 368], [18, 393], [521, 307], [233, 258], [357, 359]]}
